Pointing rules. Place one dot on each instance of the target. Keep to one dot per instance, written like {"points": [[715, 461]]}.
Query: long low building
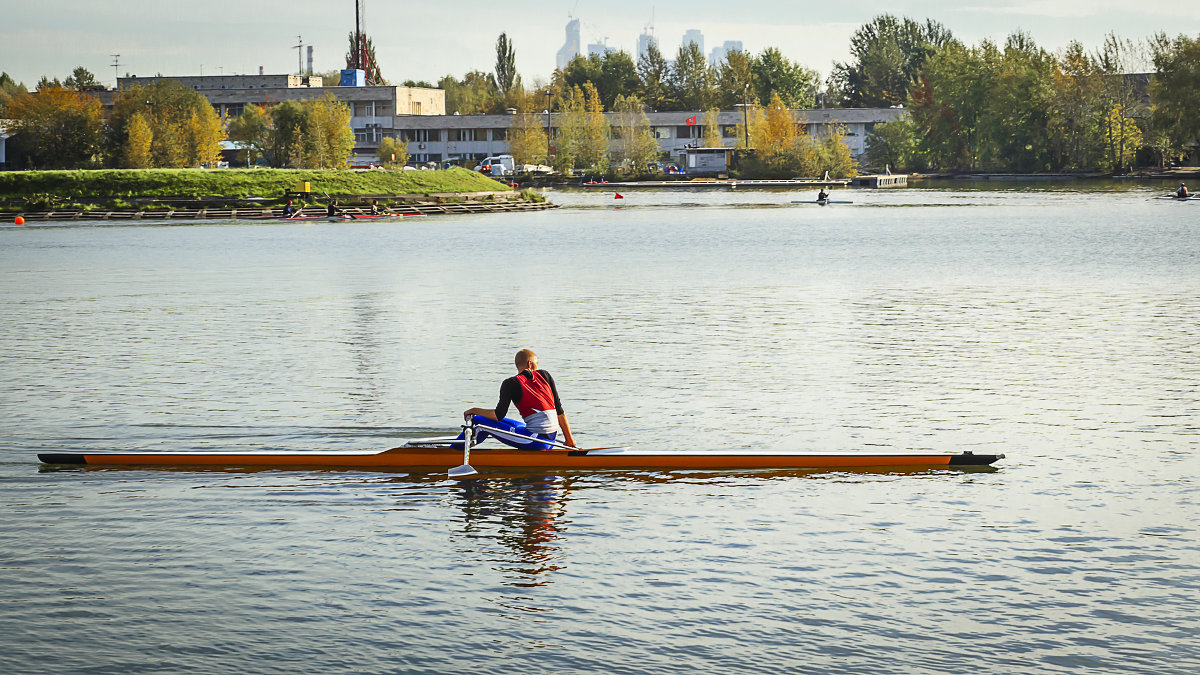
{"points": [[435, 138], [418, 115]]}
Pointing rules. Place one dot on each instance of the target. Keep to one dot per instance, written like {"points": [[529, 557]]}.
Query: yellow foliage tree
{"points": [[712, 130], [527, 139], [1122, 138], [136, 154], [393, 153], [638, 147]]}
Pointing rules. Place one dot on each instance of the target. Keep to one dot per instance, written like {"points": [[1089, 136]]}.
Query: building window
{"points": [[686, 132], [499, 134], [662, 132], [414, 108], [729, 131]]}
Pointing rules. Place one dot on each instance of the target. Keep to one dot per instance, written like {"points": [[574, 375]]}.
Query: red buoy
{"points": [[618, 195], [19, 220]]}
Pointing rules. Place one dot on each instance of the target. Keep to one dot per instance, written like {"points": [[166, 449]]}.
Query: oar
{"points": [[465, 469], [523, 438]]}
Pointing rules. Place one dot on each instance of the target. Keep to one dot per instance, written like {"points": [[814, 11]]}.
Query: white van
{"points": [[501, 165]]}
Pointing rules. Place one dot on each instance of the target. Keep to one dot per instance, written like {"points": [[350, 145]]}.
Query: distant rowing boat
{"points": [[823, 202], [338, 218], [1181, 199], [441, 457]]}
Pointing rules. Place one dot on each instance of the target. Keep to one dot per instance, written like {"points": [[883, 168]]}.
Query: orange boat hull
{"points": [[442, 458]]}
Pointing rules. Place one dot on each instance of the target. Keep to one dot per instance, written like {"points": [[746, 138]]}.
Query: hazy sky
{"points": [[425, 40]]}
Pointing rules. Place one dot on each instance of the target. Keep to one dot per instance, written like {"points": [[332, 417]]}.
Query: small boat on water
{"points": [[336, 219], [823, 202], [1177, 198], [441, 457]]}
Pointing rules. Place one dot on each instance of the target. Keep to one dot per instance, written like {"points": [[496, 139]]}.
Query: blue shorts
{"points": [[509, 424]]}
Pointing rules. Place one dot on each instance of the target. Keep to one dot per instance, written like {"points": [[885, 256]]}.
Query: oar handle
{"points": [[521, 437]]}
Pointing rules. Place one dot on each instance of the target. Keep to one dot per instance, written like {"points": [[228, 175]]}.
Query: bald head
{"points": [[526, 360]]}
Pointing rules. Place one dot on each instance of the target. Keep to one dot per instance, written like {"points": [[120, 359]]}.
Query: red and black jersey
{"points": [[529, 391]]}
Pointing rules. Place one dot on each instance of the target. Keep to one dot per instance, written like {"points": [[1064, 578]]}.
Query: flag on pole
{"points": [[691, 121]]}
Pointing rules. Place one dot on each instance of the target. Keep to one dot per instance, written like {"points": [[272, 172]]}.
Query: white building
{"points": [[693, 35]]}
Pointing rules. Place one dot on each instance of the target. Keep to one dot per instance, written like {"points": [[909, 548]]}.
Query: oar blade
{"points": [[462, 471]]}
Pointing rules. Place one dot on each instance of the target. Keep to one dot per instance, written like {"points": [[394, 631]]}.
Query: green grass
{"points": [[75, 187]]}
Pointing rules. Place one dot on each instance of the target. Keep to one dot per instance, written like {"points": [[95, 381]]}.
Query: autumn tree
{"points": [[139, 139], [185, 130], [735, 80], [712, 129], [60, 128], [527, 138], [328, 138], [393, 152], [637, 146], [9, 89]]}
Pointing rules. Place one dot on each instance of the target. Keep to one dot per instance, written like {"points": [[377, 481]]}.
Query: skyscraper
{"points": [[718, 53], [693, 35], [644, 42], [571, 47]]}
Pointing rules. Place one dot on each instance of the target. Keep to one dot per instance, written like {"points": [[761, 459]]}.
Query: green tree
{"points": [[654, 74], [887, 56], [476, 93], [775, 74], [370, 67], [735, 80], [80, 79], [393, 153], [506, 65], [691, 80], [288, 124], [618, 77], [251, 131], [1176, 88], [892, 145], [61, 128]]}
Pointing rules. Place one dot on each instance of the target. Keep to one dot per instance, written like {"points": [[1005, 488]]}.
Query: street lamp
{"points": [[547, 126]]}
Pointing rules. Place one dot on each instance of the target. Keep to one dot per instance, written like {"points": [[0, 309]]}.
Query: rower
{"points": [[822, 195], [375, 207], [333, 211], [289, 211], [536, 397], [1182, 192]]}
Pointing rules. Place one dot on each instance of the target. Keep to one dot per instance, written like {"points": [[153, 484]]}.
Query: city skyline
{"points": [[174, 38]]}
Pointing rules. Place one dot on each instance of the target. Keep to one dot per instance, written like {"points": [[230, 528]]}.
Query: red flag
{"points": [[691, 121], [618, 196]]}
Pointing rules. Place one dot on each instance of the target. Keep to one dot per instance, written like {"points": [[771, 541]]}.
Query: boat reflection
{"points": [[526, 514]]}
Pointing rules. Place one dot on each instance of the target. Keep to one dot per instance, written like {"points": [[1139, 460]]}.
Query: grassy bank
{"points": [[145, 187]]}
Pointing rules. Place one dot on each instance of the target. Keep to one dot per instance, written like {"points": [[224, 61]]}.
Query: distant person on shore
{"points": [[333, 211], [1182, 191], [289, 211], [534, 394]]}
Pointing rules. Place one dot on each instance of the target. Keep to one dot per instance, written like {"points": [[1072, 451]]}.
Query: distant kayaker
{"points": [[333, 211], [1182, 192], [289, 211], [534, 394], [822, 195]]}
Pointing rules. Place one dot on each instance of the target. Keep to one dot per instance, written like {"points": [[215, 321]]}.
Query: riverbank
{"points": [[176, 189]]}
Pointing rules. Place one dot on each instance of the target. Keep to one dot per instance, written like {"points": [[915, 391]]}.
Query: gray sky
{"points": [[425, 40]]}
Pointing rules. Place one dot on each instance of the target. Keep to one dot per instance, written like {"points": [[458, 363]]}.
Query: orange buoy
{"points": [[19, 220]]}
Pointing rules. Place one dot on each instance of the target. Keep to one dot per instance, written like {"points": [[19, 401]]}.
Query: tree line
{"points": [[63, 125]]}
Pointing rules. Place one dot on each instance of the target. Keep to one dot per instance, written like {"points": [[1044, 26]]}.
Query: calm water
{"points": [[1054, 323]]}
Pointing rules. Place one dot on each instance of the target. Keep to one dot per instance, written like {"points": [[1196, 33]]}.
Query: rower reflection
{"points": [[525, 514]]}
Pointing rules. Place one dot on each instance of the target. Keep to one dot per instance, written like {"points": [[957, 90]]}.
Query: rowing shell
{"points": [[441, 458]]}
